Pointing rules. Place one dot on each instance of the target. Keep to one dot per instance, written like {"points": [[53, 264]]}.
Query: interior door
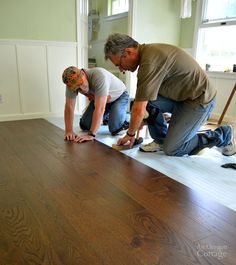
{"points": [[82, 44]]}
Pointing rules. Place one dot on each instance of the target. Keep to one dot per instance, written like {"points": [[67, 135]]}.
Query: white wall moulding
{"points": [[30, 77], [32, 68], [31, 86], [26, 116], [58, 59], [9, 83], [37, 42], [222, 75], [224, 88], [82, 43], [114, 17]]}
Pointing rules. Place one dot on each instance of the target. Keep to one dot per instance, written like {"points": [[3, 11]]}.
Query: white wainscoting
{"points": [[30, 78], [31, 86], [224, 82]]}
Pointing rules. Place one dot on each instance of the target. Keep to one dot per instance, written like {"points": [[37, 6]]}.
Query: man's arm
{"points": [[69, 118], [137, 114], [100, 105]]}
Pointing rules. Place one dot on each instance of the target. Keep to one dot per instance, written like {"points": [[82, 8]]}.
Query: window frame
{"points": [[109, 9], [201, 24]]}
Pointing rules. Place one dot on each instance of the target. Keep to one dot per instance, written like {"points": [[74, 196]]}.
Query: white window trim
{"points": [[212, 23], [198, 25], [117, 16]]}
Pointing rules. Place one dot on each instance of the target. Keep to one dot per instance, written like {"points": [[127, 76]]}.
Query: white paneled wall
{"points": [[30, 78], [9, 85], [33, 81], [58, 58], [224, 84], [31, 86]]}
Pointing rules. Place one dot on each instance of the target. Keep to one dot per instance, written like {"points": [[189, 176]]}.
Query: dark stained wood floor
{"points": [[63, 203]]}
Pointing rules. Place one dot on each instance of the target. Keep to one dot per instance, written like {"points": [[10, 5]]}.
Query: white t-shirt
{"points": [[101, 83]]}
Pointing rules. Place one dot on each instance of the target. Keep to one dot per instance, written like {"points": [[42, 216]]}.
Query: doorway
{"points": [[93, 28], [101, 24]]}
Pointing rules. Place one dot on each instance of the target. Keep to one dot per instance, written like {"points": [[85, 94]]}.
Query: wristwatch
{"points": [[90, 133], [129, 134]]}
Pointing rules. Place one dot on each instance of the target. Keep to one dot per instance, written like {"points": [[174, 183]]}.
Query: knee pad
{"points": [[83, 126], [152, 114]]}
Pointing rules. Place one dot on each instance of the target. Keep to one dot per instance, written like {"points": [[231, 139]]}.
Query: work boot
{"points": [[230, 149], [151, 147]]}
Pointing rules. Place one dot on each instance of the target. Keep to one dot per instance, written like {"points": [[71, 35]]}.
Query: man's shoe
{"points": [[151, 147], [230, 149], [105, 122], [123, 127]]}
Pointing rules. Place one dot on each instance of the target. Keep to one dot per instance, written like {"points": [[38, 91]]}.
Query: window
{"points": [[216, 34], [117, 6]]}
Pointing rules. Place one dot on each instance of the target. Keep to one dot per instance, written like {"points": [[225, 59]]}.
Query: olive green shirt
{"points": [[172, 73]]}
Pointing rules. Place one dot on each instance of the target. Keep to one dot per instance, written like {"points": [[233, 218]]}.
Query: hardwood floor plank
{"points": [[32, 221], [156, 205], [65, 203]]}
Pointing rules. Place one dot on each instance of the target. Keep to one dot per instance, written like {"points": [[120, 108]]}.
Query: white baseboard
{"points": [[227, 118], [28, 116]]}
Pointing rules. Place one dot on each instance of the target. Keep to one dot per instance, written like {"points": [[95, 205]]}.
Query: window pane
{"points": [[220, 10], [216, 47], [119, 6], [115, 7]]}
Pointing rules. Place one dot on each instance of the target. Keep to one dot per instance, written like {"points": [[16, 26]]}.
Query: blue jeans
{"points": [[181, 136], [116, 112]]}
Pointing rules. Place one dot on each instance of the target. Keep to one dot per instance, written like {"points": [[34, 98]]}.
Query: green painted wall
{"points": [[53, 20], [187, 29], [56, 20], [158, 21]]}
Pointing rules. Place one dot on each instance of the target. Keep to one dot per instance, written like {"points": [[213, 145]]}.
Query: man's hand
{"points": [[83, 138], [70, 136], [129, 140]]}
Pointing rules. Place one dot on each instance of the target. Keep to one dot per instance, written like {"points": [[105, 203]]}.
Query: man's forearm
{"points": [[68, 118], [135, 123], [96, 120], [137, 114]]}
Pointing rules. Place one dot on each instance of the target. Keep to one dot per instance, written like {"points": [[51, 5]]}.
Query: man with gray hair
{"points": [[169, 80]]}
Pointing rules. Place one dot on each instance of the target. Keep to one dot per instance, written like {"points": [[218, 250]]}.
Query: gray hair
{"points": [[116, 43]]}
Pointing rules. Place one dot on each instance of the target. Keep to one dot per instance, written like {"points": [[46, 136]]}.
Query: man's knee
{"points": [[83, 126], [171, 150]]}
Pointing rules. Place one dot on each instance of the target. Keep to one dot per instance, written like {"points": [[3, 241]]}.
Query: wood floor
{"points": [[63, 203]]}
